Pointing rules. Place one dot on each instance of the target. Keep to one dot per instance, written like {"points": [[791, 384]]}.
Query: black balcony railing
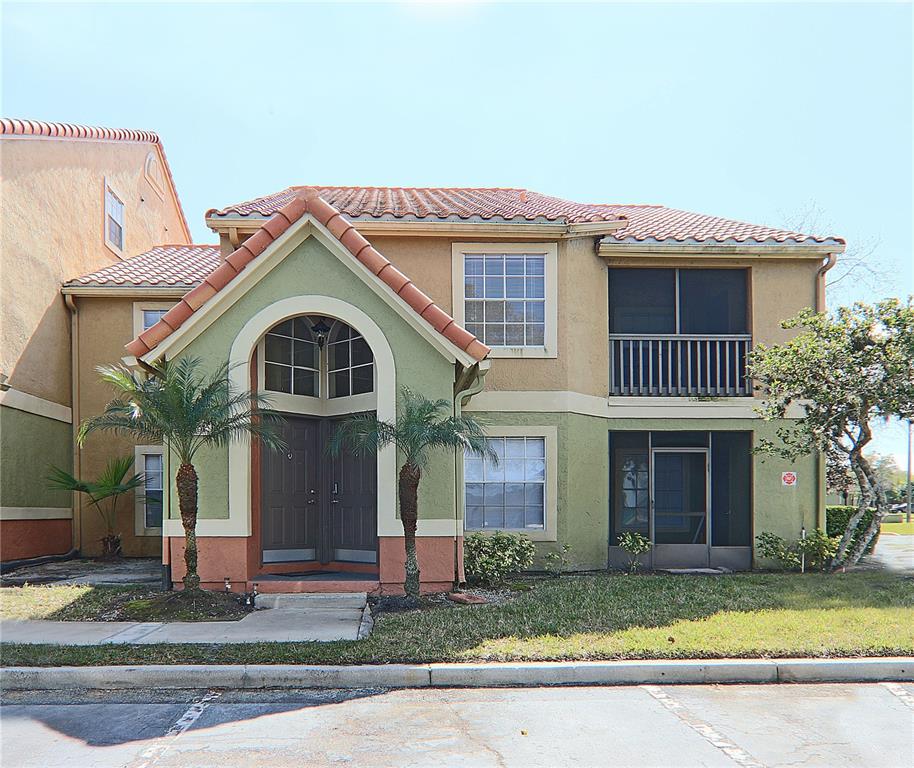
{"points": [[679, 366]]}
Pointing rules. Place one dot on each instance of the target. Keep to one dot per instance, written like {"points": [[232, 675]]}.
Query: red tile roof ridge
{"points": [[10, 126], [307, 202], [18, 127]]}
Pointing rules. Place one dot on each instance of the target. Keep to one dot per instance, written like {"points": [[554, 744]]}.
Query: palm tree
{"points": [[423, 426], [183, 408], [111, 484]]}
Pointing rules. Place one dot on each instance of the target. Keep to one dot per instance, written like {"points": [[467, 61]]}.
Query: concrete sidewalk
{"points": [[279, 618]]}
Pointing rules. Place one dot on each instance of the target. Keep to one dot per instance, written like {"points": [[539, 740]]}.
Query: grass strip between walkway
{"points": [[603, 616]]}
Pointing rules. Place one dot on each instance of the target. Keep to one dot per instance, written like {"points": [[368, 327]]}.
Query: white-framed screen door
{"points": [[680, 507]]}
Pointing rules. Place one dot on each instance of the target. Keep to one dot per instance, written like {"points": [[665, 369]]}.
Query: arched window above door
{"points": [[318, 357]]}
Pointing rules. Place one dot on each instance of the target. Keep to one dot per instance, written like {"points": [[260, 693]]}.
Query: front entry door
{"points": [[290, 483], [679, 493], [316, 507]]}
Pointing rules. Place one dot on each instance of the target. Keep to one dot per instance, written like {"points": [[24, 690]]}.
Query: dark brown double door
{"points": [[316, 507]]}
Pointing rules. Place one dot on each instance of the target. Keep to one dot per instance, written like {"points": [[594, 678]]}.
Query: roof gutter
{"points": [[830, 261], [756, 250], [232, 226], [140, 291]]}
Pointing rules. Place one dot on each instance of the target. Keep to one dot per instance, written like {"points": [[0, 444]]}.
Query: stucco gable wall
{"points": [[52, 229], [312, 270]]}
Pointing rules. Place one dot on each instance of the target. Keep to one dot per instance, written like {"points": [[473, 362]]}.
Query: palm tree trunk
{"points": [[186, 481], [409, 515]]}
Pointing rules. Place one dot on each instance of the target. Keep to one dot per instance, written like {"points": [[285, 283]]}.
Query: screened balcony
{"points": [[679, 332]]}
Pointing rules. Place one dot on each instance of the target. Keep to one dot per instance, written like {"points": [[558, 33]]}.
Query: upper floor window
{"points": [[152, 316], [114, 220], [317, 357], [505, 299], [505, 295], [678, 301]]}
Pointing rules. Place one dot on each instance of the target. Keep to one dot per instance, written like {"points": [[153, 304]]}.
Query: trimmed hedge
{"points": [[836, 523]]}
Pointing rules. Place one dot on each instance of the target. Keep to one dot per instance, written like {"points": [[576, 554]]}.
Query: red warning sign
{"points": [[788, 478]]}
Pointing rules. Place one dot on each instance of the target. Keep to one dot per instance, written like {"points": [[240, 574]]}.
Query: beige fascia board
{"points": [[755, 251], [125, 291], [223, 225]]}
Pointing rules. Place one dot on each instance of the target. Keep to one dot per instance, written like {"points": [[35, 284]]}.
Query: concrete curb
{"points": [[256, 676]]}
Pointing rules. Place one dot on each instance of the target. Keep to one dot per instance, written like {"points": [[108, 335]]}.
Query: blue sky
{"points": [[758, 112]]}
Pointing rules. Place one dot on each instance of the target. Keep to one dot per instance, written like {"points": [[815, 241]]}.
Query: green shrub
{"points": [[634, 544], [814, 552], [836, 523], [489, 558], [557, 561]]}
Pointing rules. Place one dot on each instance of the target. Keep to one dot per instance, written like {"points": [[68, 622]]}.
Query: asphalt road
{"points": [[736, 725]]}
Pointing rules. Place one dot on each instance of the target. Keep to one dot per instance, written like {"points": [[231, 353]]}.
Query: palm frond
{"points": [[363, 433]]}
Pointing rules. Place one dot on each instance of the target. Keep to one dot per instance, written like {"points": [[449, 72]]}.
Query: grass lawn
{"points": [[905, 528], [605, 616], [70, 602]]}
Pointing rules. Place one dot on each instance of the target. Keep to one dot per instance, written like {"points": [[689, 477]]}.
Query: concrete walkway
{"points": [[279, 619], [894, 552], [140, 570]]}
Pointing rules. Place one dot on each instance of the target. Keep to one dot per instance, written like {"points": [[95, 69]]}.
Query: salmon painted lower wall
{"points": [[219, 557], [436, 563], [22, 539]]}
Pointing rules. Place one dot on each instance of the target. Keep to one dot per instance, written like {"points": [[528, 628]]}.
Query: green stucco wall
{"points": [[312, 269], [29, 445], [583, 478]]}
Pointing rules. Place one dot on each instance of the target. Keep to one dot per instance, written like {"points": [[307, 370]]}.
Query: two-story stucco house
{"points": [[74, 199], [604, 346]]}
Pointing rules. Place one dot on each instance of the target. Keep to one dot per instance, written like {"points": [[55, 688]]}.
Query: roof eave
{"points": [[436, 227], [143, 291], [771, 249]]}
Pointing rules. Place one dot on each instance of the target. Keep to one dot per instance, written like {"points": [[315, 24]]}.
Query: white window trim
{"points": [[139, 525], [550, 251], [140, 306], [113, 247], [550, 434]]}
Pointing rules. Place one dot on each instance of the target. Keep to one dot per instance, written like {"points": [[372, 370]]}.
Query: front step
{"points": [[273, 585]]}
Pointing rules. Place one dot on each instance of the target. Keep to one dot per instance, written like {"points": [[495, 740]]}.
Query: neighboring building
{"points": [[604, 345], [74, 199]]}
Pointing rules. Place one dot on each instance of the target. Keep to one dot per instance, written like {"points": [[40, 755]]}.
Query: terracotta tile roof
{"points": [[41, 129], [447, 203], [655, 223], [349, 237], [165, 265]]}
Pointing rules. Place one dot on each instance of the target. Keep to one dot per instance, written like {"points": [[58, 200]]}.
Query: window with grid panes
{"points": [[152, 316], [153, 475], [292, 358], [114, 219], [509, 494], [350, 365], [505, 299]]}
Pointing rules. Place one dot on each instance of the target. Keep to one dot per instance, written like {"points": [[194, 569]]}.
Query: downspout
{"points": [[829, 262], [460, 396], [70, 301]]}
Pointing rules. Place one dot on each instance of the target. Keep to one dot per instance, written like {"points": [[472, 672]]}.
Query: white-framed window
{"points": [[505, 295], [149, 462], [518, 492], [114, 220], [147, 313]]}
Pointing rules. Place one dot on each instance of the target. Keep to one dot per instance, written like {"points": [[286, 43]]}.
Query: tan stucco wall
{"points": [[105, 326], [52, 230], [779, 289]]}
